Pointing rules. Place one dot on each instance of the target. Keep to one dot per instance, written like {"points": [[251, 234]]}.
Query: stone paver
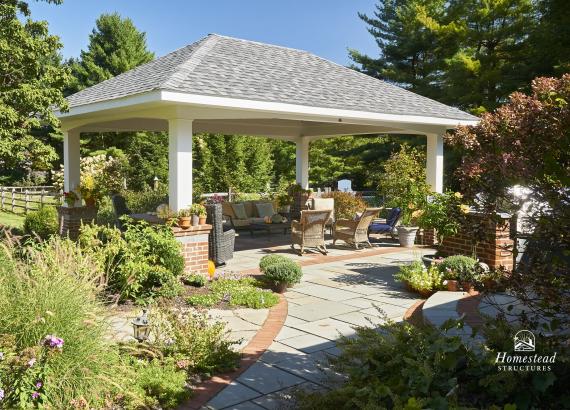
{"points": [[265, 378], [337, 293], [235, 393], [320, 310], [308, 343]]}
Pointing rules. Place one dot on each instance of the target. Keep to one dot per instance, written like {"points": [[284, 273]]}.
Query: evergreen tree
{"points": [[31, 83], [115, 46], [408, 50]]}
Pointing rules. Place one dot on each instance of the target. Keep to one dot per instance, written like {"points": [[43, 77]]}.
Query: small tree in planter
{"points": [[403, 185]]}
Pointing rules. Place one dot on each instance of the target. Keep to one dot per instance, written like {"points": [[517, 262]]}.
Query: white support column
{"points": [[71, 161], [179, 163], [302, 162], [434, 171]]}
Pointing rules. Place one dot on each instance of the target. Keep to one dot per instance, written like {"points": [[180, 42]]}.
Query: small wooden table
{"points": [[269, 228]]}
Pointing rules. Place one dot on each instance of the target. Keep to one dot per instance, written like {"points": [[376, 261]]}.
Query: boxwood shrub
{"points": [[42, 222], [269, 260], [287, 271]]}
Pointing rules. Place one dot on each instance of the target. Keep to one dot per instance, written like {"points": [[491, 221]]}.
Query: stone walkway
{"points": [[332, 298]]}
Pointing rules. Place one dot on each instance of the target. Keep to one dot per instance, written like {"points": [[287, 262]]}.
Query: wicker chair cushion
{"points": [[239, 210], [265, 209]]}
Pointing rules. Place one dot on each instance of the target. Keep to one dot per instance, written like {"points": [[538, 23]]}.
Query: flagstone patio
{"points": [[344, 289]]}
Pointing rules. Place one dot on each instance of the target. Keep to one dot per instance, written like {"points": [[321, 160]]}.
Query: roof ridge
{"points": [[243, 40], [189, 63]]}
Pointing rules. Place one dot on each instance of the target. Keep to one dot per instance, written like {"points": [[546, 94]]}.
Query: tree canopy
{"points": [[31, 83], [467, 53], [115, 46]]}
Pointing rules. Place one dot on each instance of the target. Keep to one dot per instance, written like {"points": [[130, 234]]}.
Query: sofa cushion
{"points": [[239, 210], [265, 209]]}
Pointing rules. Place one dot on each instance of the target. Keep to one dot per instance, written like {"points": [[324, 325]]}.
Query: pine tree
{"points": [[115, 46]]}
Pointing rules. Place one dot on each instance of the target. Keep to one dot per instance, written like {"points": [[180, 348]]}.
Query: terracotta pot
{"points": [[202, 220], [280, 287], [90, 202], [407, 235], [195, 220], [452, 285], [184, 222]]}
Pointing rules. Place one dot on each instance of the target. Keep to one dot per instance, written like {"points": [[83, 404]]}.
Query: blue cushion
{"points": [[379, 228], [393, 216]]}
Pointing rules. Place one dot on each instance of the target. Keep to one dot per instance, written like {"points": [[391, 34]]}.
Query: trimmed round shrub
{"points": [[42, 222], [284, 272], [453, 267], [268, 260]]}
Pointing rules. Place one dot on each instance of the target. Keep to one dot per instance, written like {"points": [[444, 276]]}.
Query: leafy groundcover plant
{"points": [[419, 278], [42, 223], [400, 366], [235, 292]]}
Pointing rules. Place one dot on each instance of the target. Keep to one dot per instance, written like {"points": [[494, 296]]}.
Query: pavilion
{"points": [[232, 86]]}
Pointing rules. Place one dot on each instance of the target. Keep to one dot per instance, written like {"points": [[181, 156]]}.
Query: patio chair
{"points": [[222, 239], [309, 231], [120, 208], [355, 232], [321, 204], [389, 225]]}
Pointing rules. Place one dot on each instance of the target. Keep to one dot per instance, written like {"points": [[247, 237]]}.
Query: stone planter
{"points": [[429, 260], [407, 235]]}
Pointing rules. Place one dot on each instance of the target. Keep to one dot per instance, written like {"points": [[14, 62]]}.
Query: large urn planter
{"points": [[407, 235]]}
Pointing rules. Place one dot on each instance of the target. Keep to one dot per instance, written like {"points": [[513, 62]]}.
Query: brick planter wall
{"points": [[496, 250], [194, 247], [71, 219]]}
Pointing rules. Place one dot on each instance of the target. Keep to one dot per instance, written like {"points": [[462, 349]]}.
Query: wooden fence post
{"points": [[13, 198], [26, 199], [2, 198]]}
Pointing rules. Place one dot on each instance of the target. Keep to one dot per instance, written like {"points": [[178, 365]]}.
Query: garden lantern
{"points": [[141, 327]]}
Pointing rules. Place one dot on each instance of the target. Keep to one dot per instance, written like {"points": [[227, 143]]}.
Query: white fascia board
{"points": [[284, 108]]}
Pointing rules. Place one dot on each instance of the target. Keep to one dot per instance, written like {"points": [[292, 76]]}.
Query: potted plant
{"points": [[196, 210], [70, 198], [164, 212], [284, 203], [419, 279], [458, 270], [202, 216], [88, 190], [408, 228], [444, 214], [184, 218], [282, 274]]}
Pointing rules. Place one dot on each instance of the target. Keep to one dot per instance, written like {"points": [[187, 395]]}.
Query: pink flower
{"points": [[53, 341], [35, 395]]}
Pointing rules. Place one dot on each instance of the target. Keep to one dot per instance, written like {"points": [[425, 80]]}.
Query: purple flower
{"points": [[53, 341], [31, 362], [1, 394], [39, 385], [35, 395]]}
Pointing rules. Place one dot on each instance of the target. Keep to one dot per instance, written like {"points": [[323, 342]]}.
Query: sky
{"points": [[324, 27]]}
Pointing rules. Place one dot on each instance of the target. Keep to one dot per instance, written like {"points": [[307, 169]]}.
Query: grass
{"points": [[11, 220]]}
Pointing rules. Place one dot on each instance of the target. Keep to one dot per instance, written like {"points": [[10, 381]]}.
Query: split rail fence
{"points": [[21, 200]]}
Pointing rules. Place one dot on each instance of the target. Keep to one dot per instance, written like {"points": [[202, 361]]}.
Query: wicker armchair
{"points": [[220, 242], [309, 231], [355, 232]]}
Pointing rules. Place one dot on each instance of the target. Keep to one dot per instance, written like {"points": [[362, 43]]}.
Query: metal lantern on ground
{"points": [[141, 327]]}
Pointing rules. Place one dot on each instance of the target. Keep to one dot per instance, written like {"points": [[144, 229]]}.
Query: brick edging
{"points": [[206, 390], [468, 306]]}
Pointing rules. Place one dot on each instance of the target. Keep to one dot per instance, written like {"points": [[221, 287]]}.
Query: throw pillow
{"points": [[239, 210], [265, 209]]}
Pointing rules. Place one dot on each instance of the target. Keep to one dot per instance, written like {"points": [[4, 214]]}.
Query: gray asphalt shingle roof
{"points": [[229, 67]]}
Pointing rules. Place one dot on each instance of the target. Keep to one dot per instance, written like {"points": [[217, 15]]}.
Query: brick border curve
{"points": [[206, 390]]}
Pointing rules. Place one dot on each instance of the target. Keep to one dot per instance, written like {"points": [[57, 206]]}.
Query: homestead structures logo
{"points": [[524, 342]]}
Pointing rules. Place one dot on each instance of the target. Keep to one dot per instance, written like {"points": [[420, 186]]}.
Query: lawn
{"points": [[12, 220]]}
